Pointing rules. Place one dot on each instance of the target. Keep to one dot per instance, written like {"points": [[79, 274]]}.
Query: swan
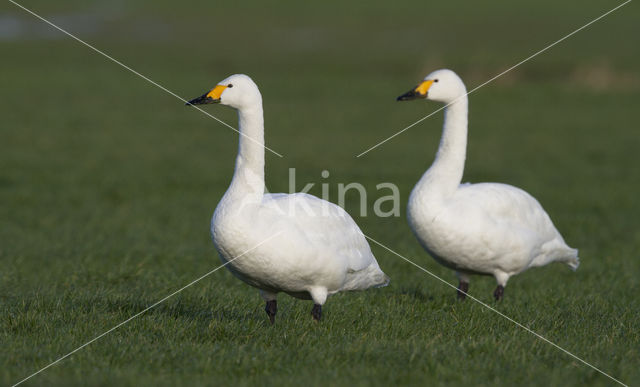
{"points": [[293, 243], [487, 228]]}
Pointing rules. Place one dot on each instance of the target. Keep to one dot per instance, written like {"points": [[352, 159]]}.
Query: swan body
{"points": [[292, 243], [487, 228]]}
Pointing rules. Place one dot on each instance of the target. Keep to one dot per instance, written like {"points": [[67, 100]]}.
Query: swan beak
{"points": [[203, 99], [211, 97], [420, 91]]}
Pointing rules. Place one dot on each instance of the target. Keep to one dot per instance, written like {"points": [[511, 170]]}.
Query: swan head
{"points": [[238, 91], [441, 85]]}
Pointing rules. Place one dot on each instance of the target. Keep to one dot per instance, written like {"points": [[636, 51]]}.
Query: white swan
{"points": [[297, 243], [487, 228]]}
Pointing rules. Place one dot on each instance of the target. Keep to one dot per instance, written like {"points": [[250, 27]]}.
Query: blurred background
{"points": [[108, 183]]}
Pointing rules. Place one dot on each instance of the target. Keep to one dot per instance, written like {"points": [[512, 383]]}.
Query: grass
{"points": [[107, 185]]}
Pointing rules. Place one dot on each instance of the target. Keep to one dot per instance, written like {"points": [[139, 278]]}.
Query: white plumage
{"points": [[486, 228], [292, 243]]}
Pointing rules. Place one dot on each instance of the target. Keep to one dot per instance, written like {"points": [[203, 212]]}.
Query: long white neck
{"points": [[445, 174], [248, 177]]}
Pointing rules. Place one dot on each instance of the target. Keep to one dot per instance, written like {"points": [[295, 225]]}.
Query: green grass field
{"points": [[107, 186]]}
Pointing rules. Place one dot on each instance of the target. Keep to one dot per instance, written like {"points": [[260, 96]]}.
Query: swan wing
{"points": [[323, 226], [511, 224], [503, 205]]}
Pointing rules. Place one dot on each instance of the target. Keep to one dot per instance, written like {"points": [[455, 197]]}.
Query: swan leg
{"points": [[271, 309], [316, 312], [272, 306], [463, 288], [319, 296], [463, 285], [501, 278], [498, 293]]}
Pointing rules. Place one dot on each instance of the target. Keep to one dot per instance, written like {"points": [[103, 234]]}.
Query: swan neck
{"points": [[445, 174], [248, 177]]}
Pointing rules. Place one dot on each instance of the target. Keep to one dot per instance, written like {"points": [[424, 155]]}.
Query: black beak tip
{"points": [[202, 100], [409, 95]]}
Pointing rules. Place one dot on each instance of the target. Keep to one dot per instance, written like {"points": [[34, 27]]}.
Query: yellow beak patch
{"points": [[216, 92], [423, 87]]}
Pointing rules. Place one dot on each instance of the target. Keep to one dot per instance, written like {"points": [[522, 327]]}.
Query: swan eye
{"points": [[435, 80], [230, 85]]}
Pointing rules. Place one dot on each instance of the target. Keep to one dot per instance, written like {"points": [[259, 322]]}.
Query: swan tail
{"points": [[562, 253], [384, 282], [570, 257], [573, 261], [370, 277]]}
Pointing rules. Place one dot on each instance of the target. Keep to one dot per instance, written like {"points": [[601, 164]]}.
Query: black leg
{"points": [[316, 312], [463, 288], [271, 309], [498, 293]]}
